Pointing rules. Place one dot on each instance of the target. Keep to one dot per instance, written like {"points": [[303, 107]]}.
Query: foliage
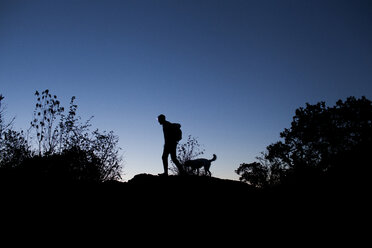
{"points": [[64, 145], [46, 112], [4, 126], [321, 141], [104, 146], [262, 173], [14, 149], [253, 173], [12, 143], [70, 165]]}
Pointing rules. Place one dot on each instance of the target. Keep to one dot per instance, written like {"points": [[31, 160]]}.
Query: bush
{"points": [[64, 148]]}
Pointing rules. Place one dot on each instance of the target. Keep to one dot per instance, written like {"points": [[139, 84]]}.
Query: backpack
{"points": [[176, 131]]}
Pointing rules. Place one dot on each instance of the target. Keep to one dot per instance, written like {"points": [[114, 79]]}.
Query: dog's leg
{"points": [[207, 171]]}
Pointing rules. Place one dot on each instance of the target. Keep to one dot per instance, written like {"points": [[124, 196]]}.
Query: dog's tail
{"points": [[214, 158]]}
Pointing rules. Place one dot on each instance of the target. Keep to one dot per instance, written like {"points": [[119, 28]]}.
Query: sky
{"points": [[231, 72]]}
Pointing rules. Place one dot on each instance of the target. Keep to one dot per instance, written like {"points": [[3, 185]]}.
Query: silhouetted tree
{"points": [[262, 173], [4, 126], [104, 146], [14, 149], [66, 148], [321, 141], [74, 135], [254, 174], [13, 146]]}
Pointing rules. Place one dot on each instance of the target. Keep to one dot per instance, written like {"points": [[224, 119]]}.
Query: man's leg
{"points": [[165, 160], [173, 154]]}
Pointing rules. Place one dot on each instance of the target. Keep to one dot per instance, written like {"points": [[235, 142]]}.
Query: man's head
{"points": [[161, 119]]}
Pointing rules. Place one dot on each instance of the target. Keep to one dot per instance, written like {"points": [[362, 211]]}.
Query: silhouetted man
{"points": [[170, 144]]}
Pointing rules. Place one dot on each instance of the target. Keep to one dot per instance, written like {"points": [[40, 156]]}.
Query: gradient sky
{"points": [[231, 72]]}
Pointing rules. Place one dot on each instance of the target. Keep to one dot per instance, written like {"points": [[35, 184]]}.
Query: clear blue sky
{"points": [[231, 72]]}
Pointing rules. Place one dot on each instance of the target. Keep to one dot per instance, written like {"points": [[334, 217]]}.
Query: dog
{"points": [[196, 164]]}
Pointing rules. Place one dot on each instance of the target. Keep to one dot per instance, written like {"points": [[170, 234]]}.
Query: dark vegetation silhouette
{"points": [[57, 147], [306, 182], [324, 147], [322, 163]]}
